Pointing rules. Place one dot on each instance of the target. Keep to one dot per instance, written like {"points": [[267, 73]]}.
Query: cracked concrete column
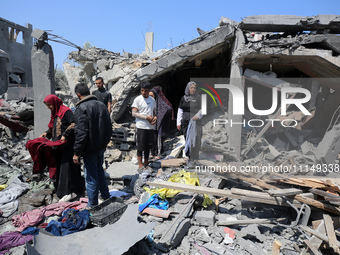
{"points": [[43, 84], [149, 42], [234, 132]]}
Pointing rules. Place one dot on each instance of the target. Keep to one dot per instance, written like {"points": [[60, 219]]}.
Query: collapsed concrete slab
{"points": [[291, 23], [209, 43]]}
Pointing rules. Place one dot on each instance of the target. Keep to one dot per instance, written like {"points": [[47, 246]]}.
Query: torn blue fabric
{"points": [[71, 221], [30, 231]]}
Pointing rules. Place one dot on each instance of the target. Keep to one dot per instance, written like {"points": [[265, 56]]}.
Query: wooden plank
{"points": [[174, 162], [315, 240], [299, 197], [312, 247], [276, 248], [247, 195], [328, 196], [284, 192], [333, 242], [250, 221], [318, 234]]}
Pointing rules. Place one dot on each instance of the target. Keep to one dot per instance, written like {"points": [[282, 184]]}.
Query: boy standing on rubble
{"points": [[102, 94], [143, 108]]}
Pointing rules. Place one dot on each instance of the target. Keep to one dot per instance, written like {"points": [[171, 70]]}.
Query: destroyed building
{"points": [[15, 59], [265, 52], [264, 214]]}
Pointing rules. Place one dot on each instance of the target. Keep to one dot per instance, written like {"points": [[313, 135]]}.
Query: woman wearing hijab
{"points": [[69, 182], [189, 111], [164, 113]]}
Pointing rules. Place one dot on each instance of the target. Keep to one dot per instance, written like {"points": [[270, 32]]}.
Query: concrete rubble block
{"points": [[329, 148], [234, 204], [73, 75], [215, 248], [113, 74], [103, 64], [308, 148], [249, 246], [252, 231], [223, 208], [217, 183], [89, 68], [273, 152], [115, 155], [163, 64], [202, 236], [226, 21], [184, 247], [147, 71], [205, 218], [175, 235]]}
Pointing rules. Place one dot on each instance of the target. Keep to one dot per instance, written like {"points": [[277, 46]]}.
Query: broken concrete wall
{"points": [[16, 42], [94, 62], [44, 84], [3, 72]]}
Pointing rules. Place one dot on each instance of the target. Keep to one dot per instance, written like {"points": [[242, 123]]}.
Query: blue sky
{"points": [[121, 25]]}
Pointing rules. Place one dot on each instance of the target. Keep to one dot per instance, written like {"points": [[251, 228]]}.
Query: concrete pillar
{"points": [[149, 42], [43, 84], [236, 71]]}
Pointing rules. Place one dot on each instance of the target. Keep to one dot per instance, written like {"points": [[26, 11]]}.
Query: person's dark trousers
{"points": [[95, 177]]}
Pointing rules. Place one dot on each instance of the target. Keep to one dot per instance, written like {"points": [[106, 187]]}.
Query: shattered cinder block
{"points": [[205, 218]]}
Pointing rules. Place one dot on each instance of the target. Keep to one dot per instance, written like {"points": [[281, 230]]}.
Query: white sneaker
{"points": [[67, 197]]}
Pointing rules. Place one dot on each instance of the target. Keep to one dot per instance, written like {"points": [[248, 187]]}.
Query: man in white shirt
{"points": [[143, 108]]}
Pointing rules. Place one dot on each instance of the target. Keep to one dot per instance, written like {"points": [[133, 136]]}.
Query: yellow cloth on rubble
{"points": [[3, 186], [184, 177]]}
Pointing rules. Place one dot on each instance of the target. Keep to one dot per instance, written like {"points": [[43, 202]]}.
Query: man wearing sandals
{"points": [[143, 108]]}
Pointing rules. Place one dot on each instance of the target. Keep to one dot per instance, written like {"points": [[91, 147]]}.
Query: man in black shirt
{"points": [[102, 94]]}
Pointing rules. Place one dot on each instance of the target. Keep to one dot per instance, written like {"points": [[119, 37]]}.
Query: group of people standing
{"points": [[153, 113], [87, 131], [84, 133]]}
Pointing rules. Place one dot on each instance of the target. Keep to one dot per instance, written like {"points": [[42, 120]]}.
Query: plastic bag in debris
{"points": [[154, 202], [184, 177]]}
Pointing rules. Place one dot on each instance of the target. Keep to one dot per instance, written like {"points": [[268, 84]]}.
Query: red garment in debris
{"points": [[43, 155]]}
